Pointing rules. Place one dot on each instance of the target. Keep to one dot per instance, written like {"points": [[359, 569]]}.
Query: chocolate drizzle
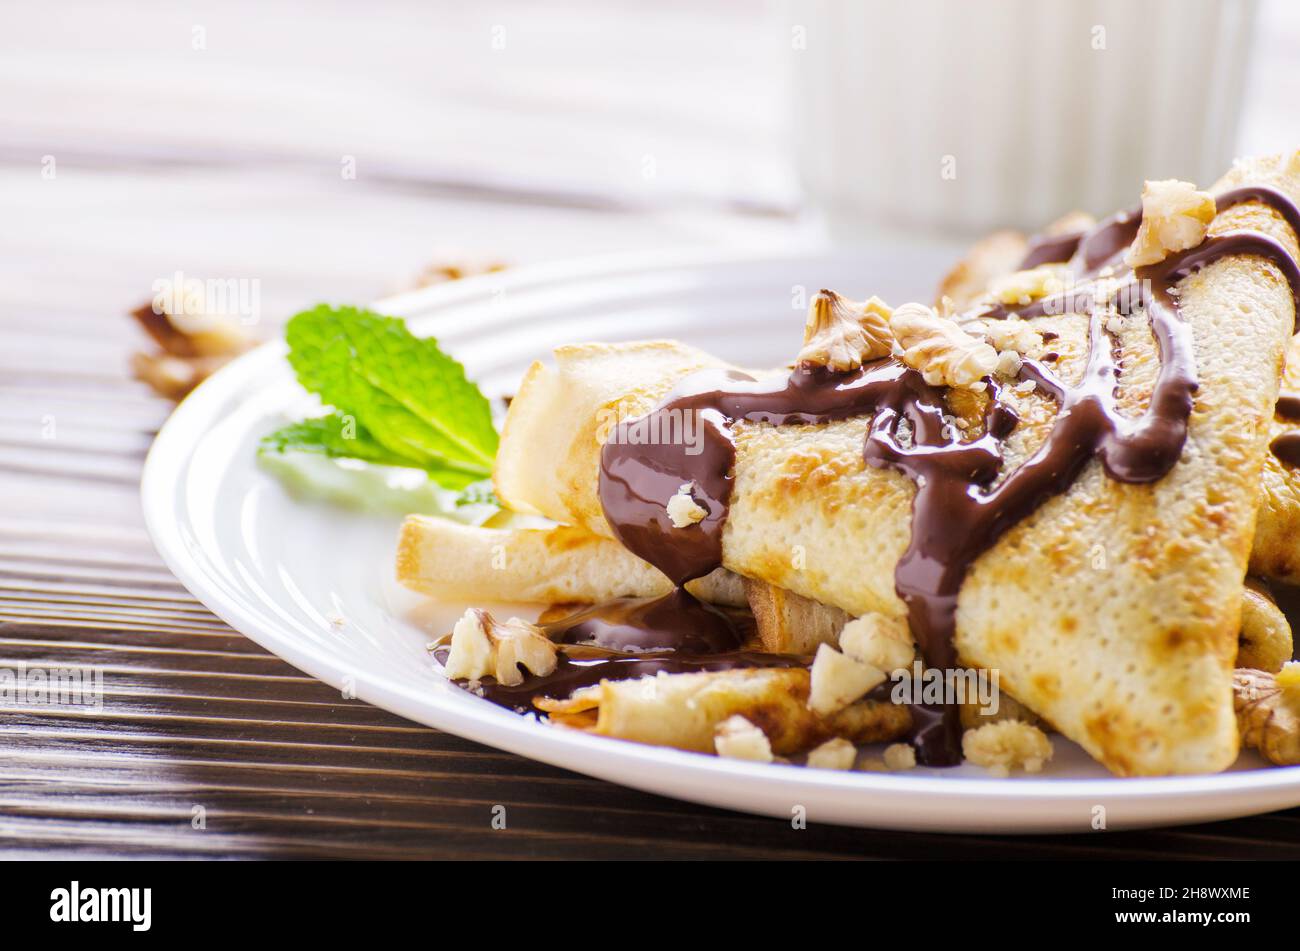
{"points": [[572, 674], [1288, 407], [1287, 448], [964, 502]]}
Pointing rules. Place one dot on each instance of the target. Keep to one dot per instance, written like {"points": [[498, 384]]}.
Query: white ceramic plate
{"points": [[315, 585]]}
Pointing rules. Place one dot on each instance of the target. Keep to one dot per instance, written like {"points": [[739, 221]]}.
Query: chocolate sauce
{"points": [[1104, 244], [1051, 249], [1288, 406], [676, 622], [572, 674], [956, 515], [1287, 448], [959, 511]]}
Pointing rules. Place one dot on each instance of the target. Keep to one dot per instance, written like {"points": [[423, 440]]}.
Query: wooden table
{"points": [[198, 721]]}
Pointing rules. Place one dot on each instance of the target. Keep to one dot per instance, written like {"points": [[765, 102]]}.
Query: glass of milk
{"points": [[957, 116]]}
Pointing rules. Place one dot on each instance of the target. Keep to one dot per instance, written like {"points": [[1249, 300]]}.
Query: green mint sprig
{"points": [[398, 399]]}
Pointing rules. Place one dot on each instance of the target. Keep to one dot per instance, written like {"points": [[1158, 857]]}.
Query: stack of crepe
{"points": [[1116, 613]]}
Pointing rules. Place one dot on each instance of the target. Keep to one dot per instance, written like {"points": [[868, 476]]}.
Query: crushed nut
{"points": [[1175, 217], [1008, 334], [838, 753], [1005, 745], [879, 641], [453, 265], [192, 343], [1024, 287], [737, 738], [841, 334], [900, 756], [1268, 717], [483, 647], [838, 680], [1009, 363], [683, 510], [944, 353]]}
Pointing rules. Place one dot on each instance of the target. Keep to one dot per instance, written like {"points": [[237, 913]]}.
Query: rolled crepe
{"points": [[563, 565], [559, 565], [1112, 611], [566, 565], [684, 710]]}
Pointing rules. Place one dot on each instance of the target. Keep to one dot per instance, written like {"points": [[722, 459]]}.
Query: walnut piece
{"points": [[1003, 746], [900, 756], [483, 647], [944, 354], [192, 344], [1268, 717], [837, 680], [879, 641], [841, 334], [838, 753], [737, 738], [1024, 287], [1175, 217], [1012, 334], [683, 510]]}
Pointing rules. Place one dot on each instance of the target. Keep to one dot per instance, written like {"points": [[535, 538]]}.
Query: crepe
{"points": [[1131, 659], [1275, 551], [559, 565], [684, 710], [566, 567]]}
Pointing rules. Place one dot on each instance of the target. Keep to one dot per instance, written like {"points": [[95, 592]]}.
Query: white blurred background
{"points": [[333, 149]]}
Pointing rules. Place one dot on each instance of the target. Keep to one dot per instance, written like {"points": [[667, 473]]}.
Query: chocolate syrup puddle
{"points": [[676, 622]]}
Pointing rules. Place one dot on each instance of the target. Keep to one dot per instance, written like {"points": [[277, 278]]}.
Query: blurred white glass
{"points": [[952, 115]]}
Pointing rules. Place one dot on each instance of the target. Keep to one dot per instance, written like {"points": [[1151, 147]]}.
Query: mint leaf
{"points": [[338, 437], [412, 399]]}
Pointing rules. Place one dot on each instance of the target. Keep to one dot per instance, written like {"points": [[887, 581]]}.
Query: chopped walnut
{"points": [[483, 647], [881, 642], [841, 334], [1175, 217], [838, 753], [900, 756], [1268, 716], [945, 354], [192, 344], [1009, 364], [452, 265], [837, 680], [1024, 287], [1009, 334], [1005, 745], [737, 738], [683, 510]]}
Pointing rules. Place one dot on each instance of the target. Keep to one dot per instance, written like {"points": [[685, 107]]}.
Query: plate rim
{"points": [[601, 756]]}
